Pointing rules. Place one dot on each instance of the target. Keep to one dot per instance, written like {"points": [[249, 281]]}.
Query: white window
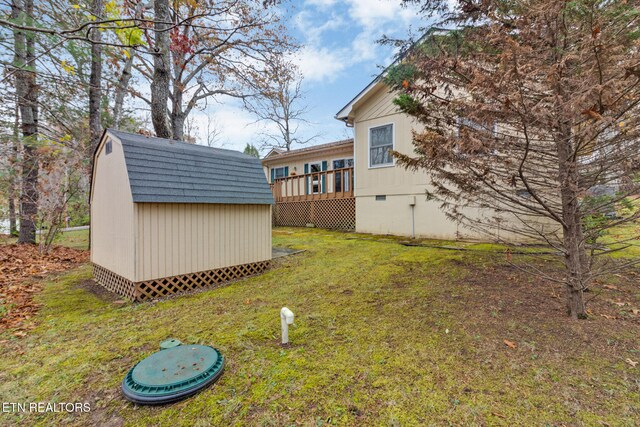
{"points": [[315, 181], [468, 125], [342, 179], [464, 122], [342, 163], [380, 146], [279, 173]]}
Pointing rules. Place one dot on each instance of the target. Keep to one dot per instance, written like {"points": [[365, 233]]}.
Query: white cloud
{"points": [[364, 46], [326, 52], [321, 3], [235, 126], [320, 63], [375, 13], [312, 30]]}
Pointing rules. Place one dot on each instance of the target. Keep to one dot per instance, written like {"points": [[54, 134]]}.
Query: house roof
{"points": [[167, 171], [343, 114], [279, 155]]}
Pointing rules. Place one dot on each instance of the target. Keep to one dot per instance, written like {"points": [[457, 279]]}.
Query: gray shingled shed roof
{"points": [[166, 171]]}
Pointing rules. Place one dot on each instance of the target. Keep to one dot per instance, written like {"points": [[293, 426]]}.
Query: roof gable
{"points": [[305, 151], [274, 152], [168, 171]]}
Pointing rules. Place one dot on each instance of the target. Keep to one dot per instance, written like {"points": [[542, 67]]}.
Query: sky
{"points": [[338, 58]]}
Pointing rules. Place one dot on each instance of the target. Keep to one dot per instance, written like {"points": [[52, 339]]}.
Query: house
{"points": [[167, 216], [313, 185], [390, 199]]}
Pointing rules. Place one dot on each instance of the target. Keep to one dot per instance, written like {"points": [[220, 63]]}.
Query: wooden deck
{"points": [[333, 184], [322, 199]]}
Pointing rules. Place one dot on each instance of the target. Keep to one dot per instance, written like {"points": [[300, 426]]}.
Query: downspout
{"points": [[413, 222], [412, 203]]}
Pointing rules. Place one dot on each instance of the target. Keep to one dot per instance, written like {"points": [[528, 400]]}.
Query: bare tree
{"points": [[207, 50], [280, 106], [531, 112], [213, 132]]}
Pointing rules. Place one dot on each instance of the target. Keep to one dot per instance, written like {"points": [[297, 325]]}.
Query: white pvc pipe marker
{"points": [[286, 318]]}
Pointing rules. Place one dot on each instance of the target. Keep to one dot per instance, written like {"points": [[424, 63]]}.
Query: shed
{"points": [[167, 216]]}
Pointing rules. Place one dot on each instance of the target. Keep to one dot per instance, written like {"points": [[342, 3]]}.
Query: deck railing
{"points": [[332, 184]]}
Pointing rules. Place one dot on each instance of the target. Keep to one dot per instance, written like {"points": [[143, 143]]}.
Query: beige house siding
{"points": [[400, 187], [392, 214], [175, 239], [295, 166], [379, 104], [112, 214]]}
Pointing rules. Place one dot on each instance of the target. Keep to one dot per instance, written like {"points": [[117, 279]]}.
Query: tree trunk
{"points": [[177, 124], [161, 70], [95, 80], [121, 89], [125, 78], [26, 91], [573, 237], [178, 116], [13, 161], [13, 223]]}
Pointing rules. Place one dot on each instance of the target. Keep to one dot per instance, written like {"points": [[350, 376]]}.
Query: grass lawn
{"points": [[385, 334], [77, 239]]}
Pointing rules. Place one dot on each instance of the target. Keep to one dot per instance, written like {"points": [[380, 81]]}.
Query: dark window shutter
{"points": [[306, 178], [324, 177], [286, 171], [273, 174]]}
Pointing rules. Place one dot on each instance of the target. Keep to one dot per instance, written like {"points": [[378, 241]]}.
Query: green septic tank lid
{"points": [[169, 343], [173, 374]]}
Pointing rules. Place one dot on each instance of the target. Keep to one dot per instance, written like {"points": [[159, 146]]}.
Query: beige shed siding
{"points": [[112, 214], [174, 239]]}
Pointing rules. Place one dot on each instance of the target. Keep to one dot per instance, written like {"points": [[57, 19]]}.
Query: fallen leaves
{"points": [[631, 362], [592, 114], [19, 266], [510, 344]]}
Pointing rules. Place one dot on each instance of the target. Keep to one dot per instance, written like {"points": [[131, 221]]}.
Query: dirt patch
{"points": [[20, 267], [100, 292], [530, 312]]}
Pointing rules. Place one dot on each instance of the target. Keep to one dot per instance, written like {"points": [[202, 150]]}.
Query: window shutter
{"points": [[306, 178], [286, 171], [324, 177], [273, 175]]}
